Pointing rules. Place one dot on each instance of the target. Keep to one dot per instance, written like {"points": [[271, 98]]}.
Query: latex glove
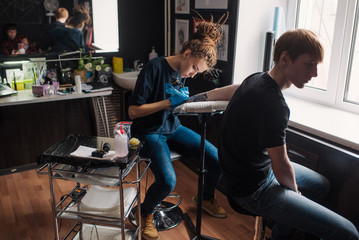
{"points": [[177, 96]]}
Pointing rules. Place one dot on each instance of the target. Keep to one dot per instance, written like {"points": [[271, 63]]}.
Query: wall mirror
{"points": [[33, 18]]}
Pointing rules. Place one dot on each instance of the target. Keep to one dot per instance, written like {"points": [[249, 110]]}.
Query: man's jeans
{"points": [[291, 210], [185, 141]]}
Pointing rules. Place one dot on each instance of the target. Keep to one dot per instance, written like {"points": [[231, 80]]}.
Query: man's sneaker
{"points": [[149, 231], [211, 207]]}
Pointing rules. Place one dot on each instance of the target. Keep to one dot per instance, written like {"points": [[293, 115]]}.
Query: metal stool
{"points": [[167, 215], [259, 227]]}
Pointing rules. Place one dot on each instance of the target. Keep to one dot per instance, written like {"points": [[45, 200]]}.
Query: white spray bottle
{"points": [[152, 54]]}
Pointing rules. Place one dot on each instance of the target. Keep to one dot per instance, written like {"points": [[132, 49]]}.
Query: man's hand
{"points": [[177, 96]]}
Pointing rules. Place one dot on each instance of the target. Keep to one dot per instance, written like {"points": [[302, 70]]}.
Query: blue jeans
{"points": [[185, 141], [290, 210]]}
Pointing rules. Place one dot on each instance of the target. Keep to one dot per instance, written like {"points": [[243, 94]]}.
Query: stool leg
{"points": [[263, 229], [258, 229]]}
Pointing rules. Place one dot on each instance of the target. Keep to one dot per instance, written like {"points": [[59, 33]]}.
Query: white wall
{"points": [[255, 18]]}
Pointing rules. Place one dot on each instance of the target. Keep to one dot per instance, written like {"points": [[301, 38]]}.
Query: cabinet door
{"points": [[302, 157]]}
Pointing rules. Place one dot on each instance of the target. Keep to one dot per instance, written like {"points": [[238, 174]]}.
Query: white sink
{"points": [[126, 80]]}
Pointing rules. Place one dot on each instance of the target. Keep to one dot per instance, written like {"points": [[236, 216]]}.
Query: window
{"points": [[319, 16], [351, 93], [105, 24], [335, 23]]}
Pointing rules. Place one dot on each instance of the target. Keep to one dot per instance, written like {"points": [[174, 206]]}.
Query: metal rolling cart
{"points": [[59, 164]]}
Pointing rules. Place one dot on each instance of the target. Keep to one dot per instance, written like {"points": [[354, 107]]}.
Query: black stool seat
{"points": [[238, 208], [259, 227]]}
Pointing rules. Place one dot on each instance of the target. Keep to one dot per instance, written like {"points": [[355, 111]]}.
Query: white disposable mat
{"points": [[109, 198], [201, 107], [92, 179], [103, 232], [86, 152], [106, 200]]}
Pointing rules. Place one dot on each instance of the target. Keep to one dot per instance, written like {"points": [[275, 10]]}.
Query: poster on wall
{"points": [[218, 4], [182, 6], [222, 47], [181, 34]]}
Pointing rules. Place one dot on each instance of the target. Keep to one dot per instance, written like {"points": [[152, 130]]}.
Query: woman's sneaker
{"points": [[211, 207]]}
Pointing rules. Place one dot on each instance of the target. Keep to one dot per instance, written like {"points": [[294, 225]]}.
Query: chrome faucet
{"points": [[137, 66]]}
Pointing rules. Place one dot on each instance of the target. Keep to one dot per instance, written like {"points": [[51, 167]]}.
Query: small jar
{"points": [[67, 76]]}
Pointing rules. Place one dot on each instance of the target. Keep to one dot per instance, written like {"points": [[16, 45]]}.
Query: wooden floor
{"points": [[25, 208]]}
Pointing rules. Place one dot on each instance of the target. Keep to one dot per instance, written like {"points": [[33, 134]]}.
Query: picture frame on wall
{"points": [[182, 6], [222, 47], [211, 4], [181, 33]]}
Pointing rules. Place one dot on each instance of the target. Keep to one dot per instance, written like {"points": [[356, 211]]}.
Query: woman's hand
{"points": [[177, 96]]}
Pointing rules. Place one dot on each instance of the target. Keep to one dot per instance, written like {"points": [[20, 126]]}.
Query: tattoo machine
{"points": [[100, 152]]}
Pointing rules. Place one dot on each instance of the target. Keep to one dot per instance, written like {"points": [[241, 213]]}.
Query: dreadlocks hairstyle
{"points": [[203, 43]]}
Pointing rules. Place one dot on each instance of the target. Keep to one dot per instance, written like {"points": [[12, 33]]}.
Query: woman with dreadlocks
{"points": [[160, 87]]}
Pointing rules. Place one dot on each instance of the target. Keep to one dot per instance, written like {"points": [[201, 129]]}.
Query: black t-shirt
{"points": [[150, 88], [256, 118], [65, 39], [48, 40], [52, 26]]}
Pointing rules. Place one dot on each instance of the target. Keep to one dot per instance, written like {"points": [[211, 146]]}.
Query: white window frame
{"points": [[347, 48], [339, 61]]}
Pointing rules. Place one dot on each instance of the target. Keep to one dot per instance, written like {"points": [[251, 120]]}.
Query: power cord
{"points": [[94, 226], [96, 232]]}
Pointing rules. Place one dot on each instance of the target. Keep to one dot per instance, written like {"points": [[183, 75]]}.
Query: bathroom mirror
{"points": [[32, 19]]}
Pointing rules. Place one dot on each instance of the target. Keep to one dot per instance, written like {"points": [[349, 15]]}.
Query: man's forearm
{"points": [[286, 177], [282, 168], [218, 94], [200, 97]]}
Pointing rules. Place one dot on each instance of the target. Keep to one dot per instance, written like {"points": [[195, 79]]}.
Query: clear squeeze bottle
{"points": [[50, 88], [121, 145]]}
